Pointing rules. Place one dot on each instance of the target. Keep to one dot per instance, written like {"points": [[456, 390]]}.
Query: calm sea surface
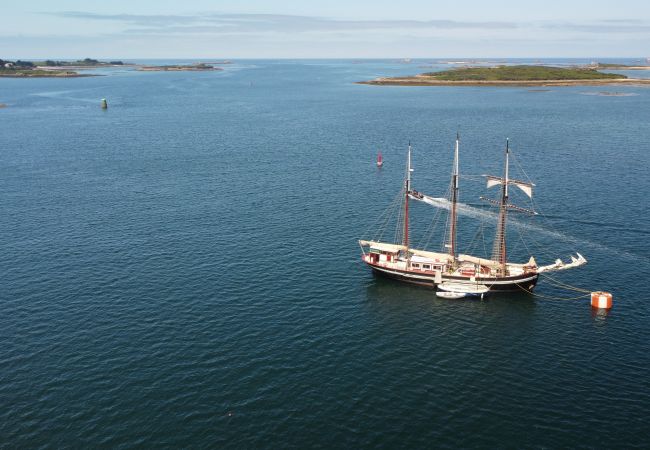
{"points": [[182, 269]]}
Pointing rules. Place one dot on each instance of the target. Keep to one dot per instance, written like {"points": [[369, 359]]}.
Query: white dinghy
{"points": [[454, 290]]}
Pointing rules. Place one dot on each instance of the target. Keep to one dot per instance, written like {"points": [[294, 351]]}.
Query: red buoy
{"points": [[602, 300]]}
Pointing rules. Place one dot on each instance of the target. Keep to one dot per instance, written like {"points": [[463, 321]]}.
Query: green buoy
{"points": [[104, 104]]}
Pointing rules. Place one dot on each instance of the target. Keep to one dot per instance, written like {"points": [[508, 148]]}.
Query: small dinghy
{"points": [[380, 160], [460, 290], [450, 295]]}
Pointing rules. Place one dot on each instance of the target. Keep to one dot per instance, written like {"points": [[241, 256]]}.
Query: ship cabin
{"points": [[381, 253], [423, 264]]}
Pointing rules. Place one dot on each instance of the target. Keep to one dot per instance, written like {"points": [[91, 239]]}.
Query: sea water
{"points": [[182, 269]]}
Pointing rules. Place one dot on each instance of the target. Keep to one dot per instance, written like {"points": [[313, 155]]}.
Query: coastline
{"points": [[82, 66], [623, 67], [54, 74], [420, 80], [177, 68]]}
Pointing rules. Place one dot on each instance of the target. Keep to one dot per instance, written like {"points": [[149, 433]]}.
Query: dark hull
{"points": [[520, 283]]}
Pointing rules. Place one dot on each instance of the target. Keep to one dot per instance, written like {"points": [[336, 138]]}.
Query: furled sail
{"points": [[382, 246], [560, 265]]}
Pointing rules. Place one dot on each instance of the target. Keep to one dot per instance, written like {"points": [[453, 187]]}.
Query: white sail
{"points": [[493, 181], [527, 188]]}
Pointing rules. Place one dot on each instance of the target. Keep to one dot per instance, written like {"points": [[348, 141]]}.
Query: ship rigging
{"points": [[401, 261]]}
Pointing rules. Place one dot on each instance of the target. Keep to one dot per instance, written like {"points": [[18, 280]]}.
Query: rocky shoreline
{"points": [[419, 80], [46, 74], [178, 68]]}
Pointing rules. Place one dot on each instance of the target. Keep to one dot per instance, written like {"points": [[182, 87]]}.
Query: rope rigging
{"points": [[547, 235]]}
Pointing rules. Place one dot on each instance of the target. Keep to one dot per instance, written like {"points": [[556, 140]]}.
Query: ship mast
{"points": [[451, 245], [499, 248], [407, 190]]}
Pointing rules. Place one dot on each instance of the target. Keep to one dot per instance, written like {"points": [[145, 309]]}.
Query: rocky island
{"points": [[51, 69], [611, 66], [68, 69], [189, 67], [510, 76]]}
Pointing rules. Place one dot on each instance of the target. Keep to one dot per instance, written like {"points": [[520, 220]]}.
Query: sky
{"points": [[110, 29]]}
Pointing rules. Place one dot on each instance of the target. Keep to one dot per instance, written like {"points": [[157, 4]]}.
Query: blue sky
{"points": [[321, 29]]}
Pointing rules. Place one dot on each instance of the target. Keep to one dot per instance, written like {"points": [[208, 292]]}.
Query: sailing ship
{"points": [[399, 260], [380, 160]]}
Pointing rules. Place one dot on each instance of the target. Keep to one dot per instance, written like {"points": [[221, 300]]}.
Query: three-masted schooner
{"points": [[423, 267]]}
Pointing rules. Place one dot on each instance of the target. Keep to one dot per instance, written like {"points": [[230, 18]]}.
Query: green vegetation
{"points": [[28, 72], [610, 65], [80, 62], [520, 73], [21, 69], [190, 67], [20, 63], [87, 62]]}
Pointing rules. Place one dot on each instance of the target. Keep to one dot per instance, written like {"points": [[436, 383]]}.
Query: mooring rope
{"points": [[551, 297], [564, 285]]}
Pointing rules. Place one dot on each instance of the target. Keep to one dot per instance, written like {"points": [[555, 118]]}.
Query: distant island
{"points": [[218, 63], [510, 76], [611, 66], [87, 63], [51, 68], [186, 67], [68, 69]]}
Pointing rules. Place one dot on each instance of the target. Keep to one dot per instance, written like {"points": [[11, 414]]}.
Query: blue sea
{"points": [[182, 269]]}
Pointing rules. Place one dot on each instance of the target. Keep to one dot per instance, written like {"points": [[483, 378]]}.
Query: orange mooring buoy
{"points": [[601, 300]]}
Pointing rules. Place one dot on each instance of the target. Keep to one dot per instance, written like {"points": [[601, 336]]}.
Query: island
{"points": [[611, 66], [51, 68], [520, 75], [180, 67], [36, 73], [68, 69], [219, 63], [86, 63]]}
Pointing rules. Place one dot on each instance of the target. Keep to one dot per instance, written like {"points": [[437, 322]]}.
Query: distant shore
{"points": [[44, 74], [618, 67], [521, 75], [50, 68], [69, 69], [419, 80], [175, 68], [627, 67], [83, 67]]}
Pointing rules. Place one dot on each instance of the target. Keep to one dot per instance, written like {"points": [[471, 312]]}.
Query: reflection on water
{"points": [[600, 315]]}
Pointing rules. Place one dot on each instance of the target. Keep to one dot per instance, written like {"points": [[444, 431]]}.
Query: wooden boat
{"points": [[450, 295], [399, 260], [450, 289]]}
